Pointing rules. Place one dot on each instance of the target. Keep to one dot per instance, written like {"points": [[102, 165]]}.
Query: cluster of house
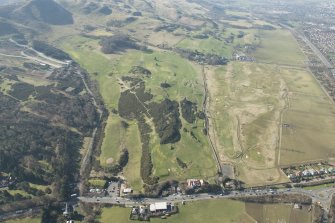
{"points": [[309, 171], [159, 209], [323, 36]]}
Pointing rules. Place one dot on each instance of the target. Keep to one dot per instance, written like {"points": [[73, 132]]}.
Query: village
{"points": [[323, 36], [311, 172]]}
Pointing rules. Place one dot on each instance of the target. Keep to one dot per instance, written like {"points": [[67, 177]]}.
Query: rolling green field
{"points": [[185, 80], [279, 47], [209, 45], [219, 46]]}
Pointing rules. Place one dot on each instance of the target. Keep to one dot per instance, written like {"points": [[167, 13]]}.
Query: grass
{"points": [[132, 170], [183, 76], [185, 79], [114, 136], [279, 47], [117, 213], [25, 220]]}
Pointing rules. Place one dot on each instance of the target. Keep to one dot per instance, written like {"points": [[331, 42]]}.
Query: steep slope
{"points": [[7, 28], [47, 11]]}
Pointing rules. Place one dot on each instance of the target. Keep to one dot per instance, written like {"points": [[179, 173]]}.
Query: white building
{"points": [[160, 206], [127, 190]]}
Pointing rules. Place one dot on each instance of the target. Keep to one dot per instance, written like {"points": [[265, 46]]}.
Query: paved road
{"points": [[40, 58], [41, 55]]}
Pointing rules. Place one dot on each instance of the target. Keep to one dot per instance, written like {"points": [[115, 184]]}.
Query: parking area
{"points": [[114, 189]]}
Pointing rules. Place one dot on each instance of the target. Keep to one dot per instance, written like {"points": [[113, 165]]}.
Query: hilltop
{"points": [[45, 11]]}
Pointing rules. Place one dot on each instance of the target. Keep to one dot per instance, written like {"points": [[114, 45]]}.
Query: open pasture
{"points": [[307, 137], [308, 122], [279, 47]]}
